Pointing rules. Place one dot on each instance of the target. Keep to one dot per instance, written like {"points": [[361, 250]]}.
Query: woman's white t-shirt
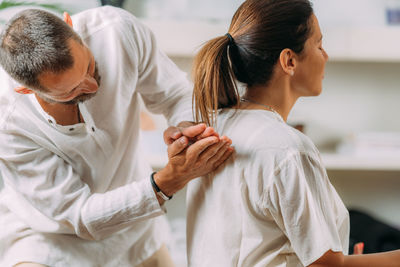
{"points": [[272, 204]]}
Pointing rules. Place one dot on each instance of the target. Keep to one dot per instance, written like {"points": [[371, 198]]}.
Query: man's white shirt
{"points": [[80, 195]]}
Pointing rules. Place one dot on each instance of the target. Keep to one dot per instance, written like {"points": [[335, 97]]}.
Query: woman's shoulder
{"points": [[262, 132]]}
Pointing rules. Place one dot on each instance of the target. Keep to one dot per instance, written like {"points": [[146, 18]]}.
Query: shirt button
{"points": [[93, 129]]}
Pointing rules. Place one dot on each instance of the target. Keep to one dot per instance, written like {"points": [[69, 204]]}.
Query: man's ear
{"points": [[67, 19], [288, 61], [23, 90]]}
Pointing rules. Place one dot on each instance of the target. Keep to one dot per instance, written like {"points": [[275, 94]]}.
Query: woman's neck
{"points": [[277, 95]]}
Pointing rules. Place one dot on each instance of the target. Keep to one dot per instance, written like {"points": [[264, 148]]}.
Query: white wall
{"points": [[357, 97], [353, 12]]}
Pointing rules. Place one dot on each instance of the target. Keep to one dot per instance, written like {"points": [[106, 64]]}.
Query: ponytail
{"points": [[214, 85]]}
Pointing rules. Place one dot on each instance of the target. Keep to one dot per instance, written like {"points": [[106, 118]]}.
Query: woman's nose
{"points": [[326, 55]]}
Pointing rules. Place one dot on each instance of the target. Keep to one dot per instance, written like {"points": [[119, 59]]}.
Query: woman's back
{"points": [[270, 205]]}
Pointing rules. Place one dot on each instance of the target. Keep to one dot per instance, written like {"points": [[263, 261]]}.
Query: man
{"points": [[77, 191]]}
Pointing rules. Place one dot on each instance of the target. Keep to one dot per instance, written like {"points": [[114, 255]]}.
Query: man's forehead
{"points": [[70, 78]]}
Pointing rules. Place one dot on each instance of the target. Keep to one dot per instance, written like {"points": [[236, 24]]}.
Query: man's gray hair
{"points": [[33, 42]]}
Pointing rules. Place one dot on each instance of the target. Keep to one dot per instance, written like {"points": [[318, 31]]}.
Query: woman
{"points": [[273, 204]]}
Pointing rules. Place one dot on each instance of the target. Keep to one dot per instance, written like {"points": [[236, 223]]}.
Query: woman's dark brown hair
{"points": [[260, 30]]}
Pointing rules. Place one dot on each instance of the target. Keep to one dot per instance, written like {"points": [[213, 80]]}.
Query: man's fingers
{"points": [[177, 146], [218, 153], [212, 151], [193, 131], [224, 157], [215, 150], [197, 148], [209, 131], [171, 134], [222, 152]]}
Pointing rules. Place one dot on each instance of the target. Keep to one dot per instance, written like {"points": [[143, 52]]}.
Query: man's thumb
{"points": [[177, 146]]}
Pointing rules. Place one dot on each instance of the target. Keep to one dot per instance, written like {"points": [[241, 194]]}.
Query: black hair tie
{"points": [[230, 38]]}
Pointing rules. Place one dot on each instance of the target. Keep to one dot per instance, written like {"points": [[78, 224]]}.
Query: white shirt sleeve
{"points": [[43, 186], [300, 200], [164, 87]]}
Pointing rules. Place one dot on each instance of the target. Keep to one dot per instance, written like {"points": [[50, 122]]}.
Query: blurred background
{"points": [[354, 122]]}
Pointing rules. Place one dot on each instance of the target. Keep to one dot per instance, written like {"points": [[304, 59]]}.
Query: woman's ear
{"points": [[67, 19], [288, 61], [23, 90]]}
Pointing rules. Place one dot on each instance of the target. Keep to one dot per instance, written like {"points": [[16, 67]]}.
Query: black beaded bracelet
{"points": [[158, 190]]}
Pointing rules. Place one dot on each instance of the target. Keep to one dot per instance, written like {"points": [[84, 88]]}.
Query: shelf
{"points": [[369, 44], [184, 38], [358, 44], [334, 161], [331, 161]]}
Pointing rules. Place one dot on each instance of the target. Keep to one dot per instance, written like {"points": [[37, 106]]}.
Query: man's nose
{"points": [[89, 85]]}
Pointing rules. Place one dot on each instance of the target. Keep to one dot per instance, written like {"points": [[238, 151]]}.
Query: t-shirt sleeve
{"points": [[301, 199]]}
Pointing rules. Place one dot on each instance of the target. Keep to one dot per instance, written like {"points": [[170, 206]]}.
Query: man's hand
{"points": [[192, 152], [192, 131]]}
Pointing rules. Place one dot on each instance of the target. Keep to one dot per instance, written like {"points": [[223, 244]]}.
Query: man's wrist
{"points": [[166, 181], [159, 192]]}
